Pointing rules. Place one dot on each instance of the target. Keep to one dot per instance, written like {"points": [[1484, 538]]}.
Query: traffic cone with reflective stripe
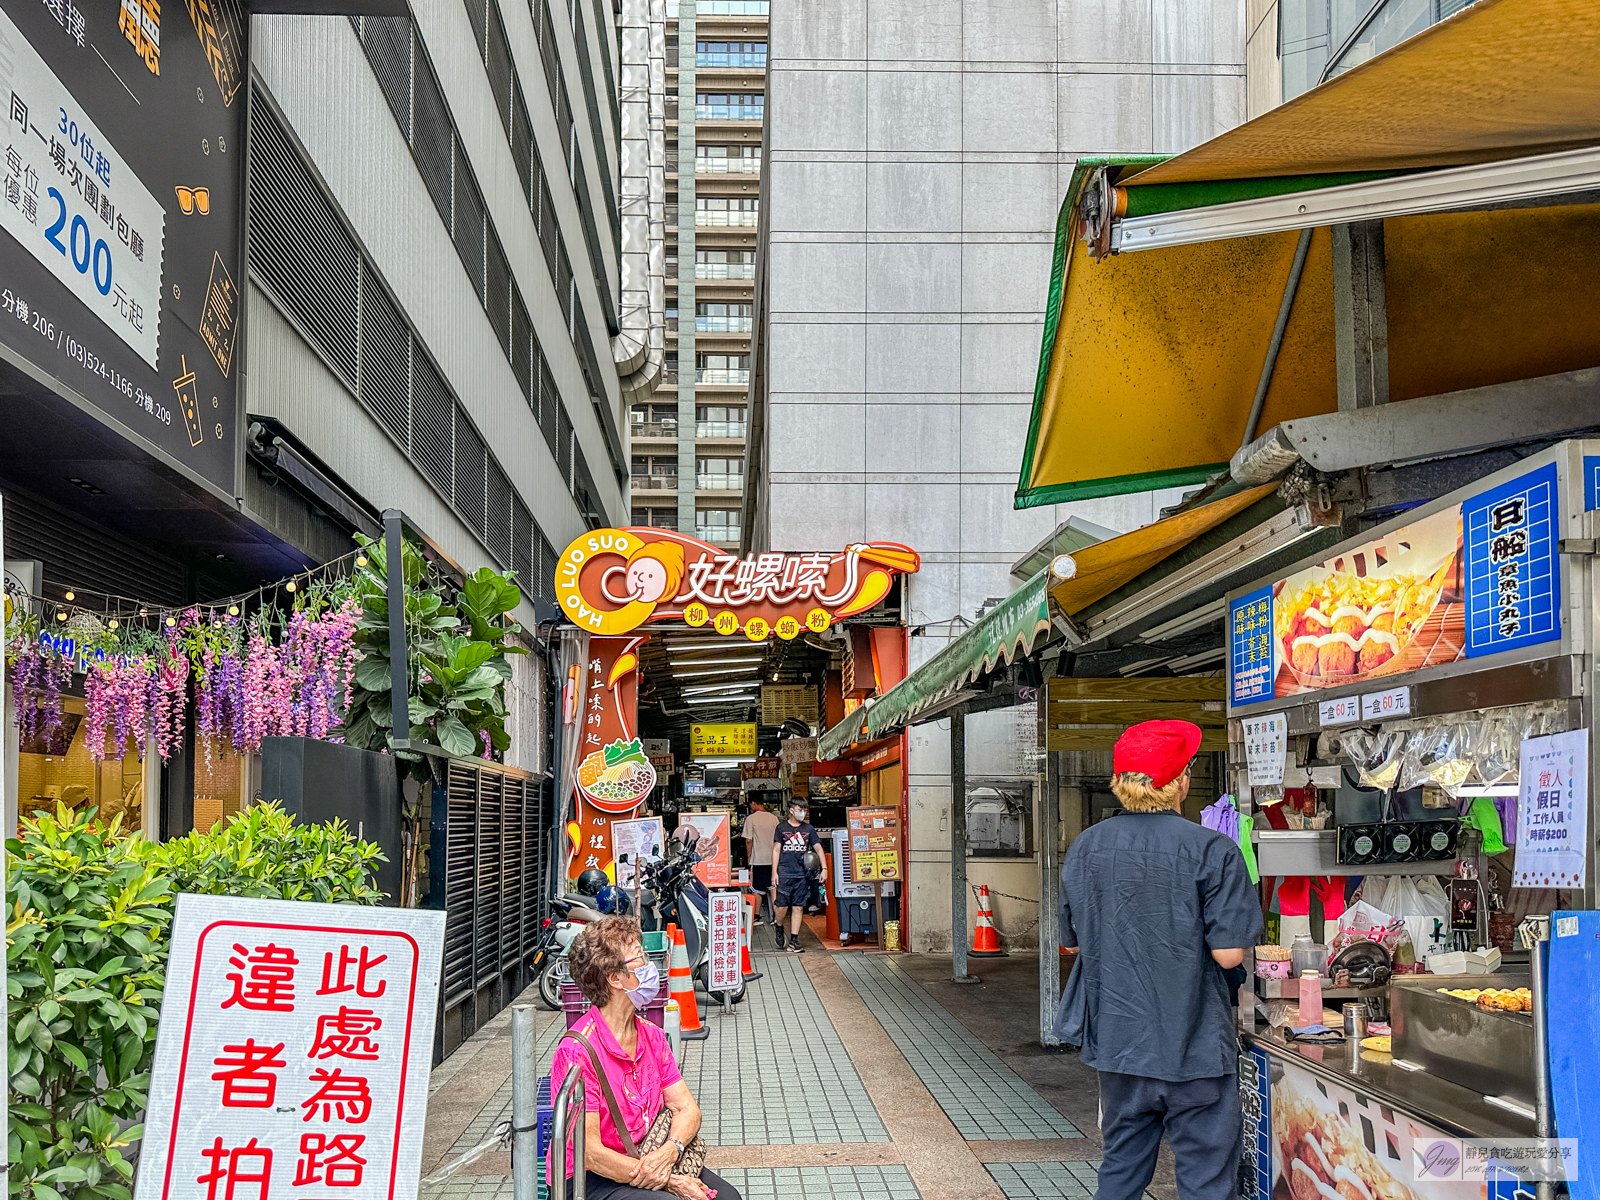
{"points": [[680, 985], [985, 940], [744, 945]]}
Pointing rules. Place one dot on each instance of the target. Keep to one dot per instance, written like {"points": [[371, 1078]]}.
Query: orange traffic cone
{"points": [[744, 948], [985, 939], [680, 985]]}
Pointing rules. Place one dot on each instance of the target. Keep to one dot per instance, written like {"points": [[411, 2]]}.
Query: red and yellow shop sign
{"points": [[611, 581], [615, 776]]}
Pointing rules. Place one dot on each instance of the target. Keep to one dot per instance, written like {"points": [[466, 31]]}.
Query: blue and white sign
{"points": [[1591, 482], [1250, 655], [1553, 811], [1513, 578]]}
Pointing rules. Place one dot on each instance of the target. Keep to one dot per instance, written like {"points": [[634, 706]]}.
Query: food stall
{"points": [[1410, 709]]}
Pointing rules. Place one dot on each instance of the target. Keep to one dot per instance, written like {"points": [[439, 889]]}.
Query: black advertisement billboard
{"points": [[120, 199]]}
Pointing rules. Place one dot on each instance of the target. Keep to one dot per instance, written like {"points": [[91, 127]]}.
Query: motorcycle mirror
{"points": [[622, 858]]}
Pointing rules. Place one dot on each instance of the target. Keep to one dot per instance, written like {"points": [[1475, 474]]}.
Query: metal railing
{"points": [[570, 1097], [655, 483], [721, 216], [730, 59], [726, 166], [719, 483], [724, 270], [730, 112], [655, 429], [717, 533], [722, 375], [722, 324], [723, 8], [719, 429]]}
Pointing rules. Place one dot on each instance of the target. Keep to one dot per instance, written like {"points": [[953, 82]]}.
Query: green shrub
{"points": [[87, 943]]}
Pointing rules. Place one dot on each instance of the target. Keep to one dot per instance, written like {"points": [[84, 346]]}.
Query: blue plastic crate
{"points": [[545, 1119]]}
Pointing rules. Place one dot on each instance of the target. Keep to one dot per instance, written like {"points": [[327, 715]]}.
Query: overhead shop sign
{"points": [[611, 581], [120, 200], [736, 740], [1477, 577]]}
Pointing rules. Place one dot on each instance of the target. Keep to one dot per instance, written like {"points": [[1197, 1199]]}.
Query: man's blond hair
{"points": [[1138, 793]]}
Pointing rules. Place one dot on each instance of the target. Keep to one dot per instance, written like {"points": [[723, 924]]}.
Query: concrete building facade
{"points": [[917, 154]]}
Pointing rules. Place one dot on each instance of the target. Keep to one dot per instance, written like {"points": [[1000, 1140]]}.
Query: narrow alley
{"points": [[844, 1076]]}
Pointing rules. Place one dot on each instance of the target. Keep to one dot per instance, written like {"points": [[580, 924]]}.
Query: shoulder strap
{"points": [[628, 1147]]}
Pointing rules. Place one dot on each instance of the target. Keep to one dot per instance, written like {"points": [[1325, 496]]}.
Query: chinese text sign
{"points": [[1513, 573], [726, 920], [1553, 811], [1250, 642], [293, 1054]]}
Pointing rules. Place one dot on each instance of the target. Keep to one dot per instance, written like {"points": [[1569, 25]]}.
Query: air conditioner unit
{"points": [[842, 888]]}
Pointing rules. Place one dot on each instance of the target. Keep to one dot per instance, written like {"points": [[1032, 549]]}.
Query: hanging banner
{"points": [[727, 918], [1553, 811], [120, 197], [611, 581], [294, 1051], [1266, 746], [614, 773], [1476, 578], [716, 867]]}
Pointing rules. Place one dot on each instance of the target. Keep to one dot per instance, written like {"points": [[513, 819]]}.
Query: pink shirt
{"points": [[637, 1082]]}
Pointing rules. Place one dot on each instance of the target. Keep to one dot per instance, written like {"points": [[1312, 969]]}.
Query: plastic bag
{"points": [[1415, 896], [1437, 752], [1376, 756], [1497, 750], [1362, 922]]}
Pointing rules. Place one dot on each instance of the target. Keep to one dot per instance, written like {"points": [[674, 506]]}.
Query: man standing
{"points": [[1159, 908], [759, 827], [791, 841]]}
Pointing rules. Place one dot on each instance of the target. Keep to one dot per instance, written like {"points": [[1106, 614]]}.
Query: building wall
{"points": [[316, 73], [918, 154], [1263, 67]]}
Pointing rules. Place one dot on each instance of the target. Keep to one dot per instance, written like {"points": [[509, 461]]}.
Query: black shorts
{"points": [[793, 892], [761, 878]]}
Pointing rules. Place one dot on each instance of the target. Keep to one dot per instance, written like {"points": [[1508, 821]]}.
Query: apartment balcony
{"points": [[722, 324], [655, 483], [727, 166], [718, 535], [720, 217], [725, 430], [719, 483], [723, 376], [757, 61], [661, 431], [723, 8], [730, 112], [724, 270]]}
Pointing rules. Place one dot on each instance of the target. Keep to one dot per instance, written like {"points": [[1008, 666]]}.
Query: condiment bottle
{"points": [[1310, 998]]}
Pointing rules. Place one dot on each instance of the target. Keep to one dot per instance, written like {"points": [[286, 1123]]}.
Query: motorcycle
{"points": [[550, 955], [672, 893]]}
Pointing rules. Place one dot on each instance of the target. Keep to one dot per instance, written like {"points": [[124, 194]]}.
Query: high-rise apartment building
{"points": [[917, 155], [689, 437]]}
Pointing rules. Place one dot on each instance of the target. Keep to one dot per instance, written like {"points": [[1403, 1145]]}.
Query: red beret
{"points": [[1159, 749]]}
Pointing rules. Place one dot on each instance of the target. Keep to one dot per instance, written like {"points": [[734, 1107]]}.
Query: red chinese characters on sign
{"points": [[294, 1056], [727, 918]]}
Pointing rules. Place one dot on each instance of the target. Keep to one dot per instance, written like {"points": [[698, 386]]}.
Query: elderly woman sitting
{"points": [[609, 966]]}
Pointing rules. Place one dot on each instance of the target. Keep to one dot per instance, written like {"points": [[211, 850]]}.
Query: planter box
{"points": [[318, 781]]}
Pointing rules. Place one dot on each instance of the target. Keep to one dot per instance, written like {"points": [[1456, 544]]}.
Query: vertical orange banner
{"points": [[614, 774]]}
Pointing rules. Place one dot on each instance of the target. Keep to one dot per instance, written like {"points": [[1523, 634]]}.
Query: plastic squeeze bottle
{"points": [[1310, 998]]}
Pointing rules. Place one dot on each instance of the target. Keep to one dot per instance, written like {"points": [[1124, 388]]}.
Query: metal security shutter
{"points": [[486, 906], [471, 460], [299, 246], [460, 880], [522, 552], [521, 138], [433, 137], [469, 223], [497, 525], [550, 410], [497, 62], [515, 861], [522, 351], [388, 44], [432, 424], [497, 292], [384, 385], [538, 818]]}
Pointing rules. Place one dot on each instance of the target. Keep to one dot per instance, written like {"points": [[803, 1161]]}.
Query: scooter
{"points": [[550, 955], [674, 894]]}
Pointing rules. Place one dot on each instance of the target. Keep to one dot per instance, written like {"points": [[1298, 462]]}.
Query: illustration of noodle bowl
{"points": [[1352, 619], [617, 778]]}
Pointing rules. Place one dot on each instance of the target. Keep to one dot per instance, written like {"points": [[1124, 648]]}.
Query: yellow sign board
{"points": [[722, 741]]}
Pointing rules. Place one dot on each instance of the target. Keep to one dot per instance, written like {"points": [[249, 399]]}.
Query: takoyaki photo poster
{"points": [[1472, 579]]}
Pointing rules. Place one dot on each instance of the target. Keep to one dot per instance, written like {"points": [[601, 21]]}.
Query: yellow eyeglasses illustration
{"points": [[190, 199]]}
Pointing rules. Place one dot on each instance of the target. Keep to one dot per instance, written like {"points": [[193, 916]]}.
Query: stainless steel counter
{"points": [[1454, 1109]]}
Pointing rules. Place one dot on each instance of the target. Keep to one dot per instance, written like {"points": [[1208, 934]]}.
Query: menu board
{"points": [[1476, 578], [874, 843]]}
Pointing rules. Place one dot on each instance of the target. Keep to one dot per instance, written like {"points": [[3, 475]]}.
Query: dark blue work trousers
{"points": [[1203, 1122]]}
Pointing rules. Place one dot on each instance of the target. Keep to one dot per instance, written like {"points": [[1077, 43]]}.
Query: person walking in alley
{"points": [[641, 1120], [792, 840], [1158, 908], [758, 831]]}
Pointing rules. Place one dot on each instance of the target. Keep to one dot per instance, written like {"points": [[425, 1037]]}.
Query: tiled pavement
{"points": [[1046, 1180], [984, 1099], [823, 1183]]}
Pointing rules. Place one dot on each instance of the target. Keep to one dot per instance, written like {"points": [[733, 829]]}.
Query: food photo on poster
{"points": [[120, 198]]}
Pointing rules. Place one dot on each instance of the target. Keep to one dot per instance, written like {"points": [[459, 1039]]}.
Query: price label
{"points": [[1266, 744], [1379, 706], [1343, 711]]}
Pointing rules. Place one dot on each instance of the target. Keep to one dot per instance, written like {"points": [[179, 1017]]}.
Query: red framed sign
{"points": [[294, 1051]]}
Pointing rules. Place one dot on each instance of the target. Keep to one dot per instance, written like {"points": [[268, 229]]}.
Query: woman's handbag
{"points": [[691, 1159]]}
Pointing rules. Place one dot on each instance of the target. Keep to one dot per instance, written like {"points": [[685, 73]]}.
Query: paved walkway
{"points": [[845, 1076]]}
